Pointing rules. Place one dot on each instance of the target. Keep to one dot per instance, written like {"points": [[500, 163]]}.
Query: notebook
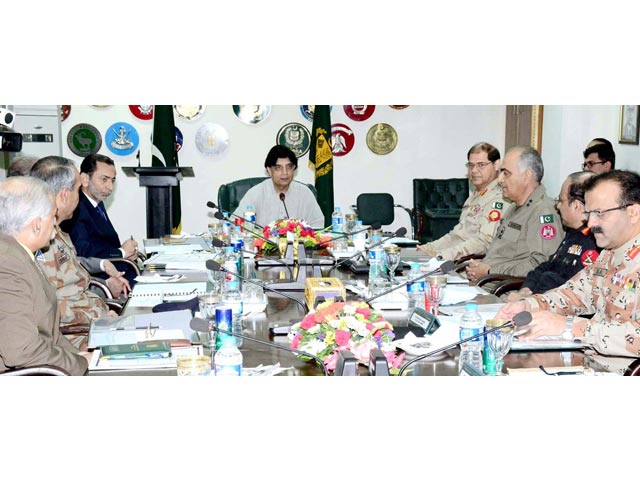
{"points": [[151, 294]]}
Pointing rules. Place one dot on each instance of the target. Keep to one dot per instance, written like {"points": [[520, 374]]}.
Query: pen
{"points": [[137, 328]]}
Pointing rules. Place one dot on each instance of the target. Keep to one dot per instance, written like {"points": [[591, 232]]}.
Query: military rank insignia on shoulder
{"points": [[546, 218]]}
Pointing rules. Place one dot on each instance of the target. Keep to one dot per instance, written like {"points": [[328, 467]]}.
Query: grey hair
{"points": [[530, 159], [21, 165], [23, 199], [58, 172]]}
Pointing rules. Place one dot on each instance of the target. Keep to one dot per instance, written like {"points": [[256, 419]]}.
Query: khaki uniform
{"points": [[608, 289], [478, 222], [526, 237], [71, 281]]}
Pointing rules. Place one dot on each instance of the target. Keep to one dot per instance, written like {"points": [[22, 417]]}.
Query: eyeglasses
{"points": [[289, 167], [479, 165], [600, 213], [590, 164]]}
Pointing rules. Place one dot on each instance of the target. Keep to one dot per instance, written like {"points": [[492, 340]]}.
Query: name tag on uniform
{"points": [[599, 272], [515, 226]]}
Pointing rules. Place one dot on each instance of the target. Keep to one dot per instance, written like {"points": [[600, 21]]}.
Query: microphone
{"points": [[200, 325], [216, 242], [285, 205], [219, 216], [215, 266], [519, 320], [398, 233], [446, 267], [374, 226], [210, 204]]}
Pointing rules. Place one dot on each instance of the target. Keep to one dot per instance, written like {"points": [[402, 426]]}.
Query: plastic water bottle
{"points": [[359, 239], [228, 359], [237, 242], [471, 323], [250, 216], [415, 290], [376, 273], [337, 221], [232, 282]]}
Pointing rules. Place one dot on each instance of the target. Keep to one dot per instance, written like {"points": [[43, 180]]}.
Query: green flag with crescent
{"points": [[164, 154], [321, 159]]}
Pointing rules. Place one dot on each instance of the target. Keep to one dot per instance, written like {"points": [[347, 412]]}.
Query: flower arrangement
{"points": [[288, 228], [352, 326]]}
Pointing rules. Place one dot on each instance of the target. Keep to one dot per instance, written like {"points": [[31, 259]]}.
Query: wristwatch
{"points": [[567, 333]]}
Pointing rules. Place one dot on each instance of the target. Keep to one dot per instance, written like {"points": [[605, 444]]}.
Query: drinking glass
{"points": [[350, 221], [392, 258], [208, 303], [499, 341], [435, 286]]}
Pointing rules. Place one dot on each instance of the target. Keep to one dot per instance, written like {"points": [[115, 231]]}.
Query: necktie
{"points": [[101, 210]]}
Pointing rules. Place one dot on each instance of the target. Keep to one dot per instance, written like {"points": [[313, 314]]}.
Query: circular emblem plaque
{"points": [[307, 111], [121, 138], [212, 139], [143, 112], [382, 139], [359, 113], [179, 139], [84, 139], [296, 137], [65, 110], [252, 114], [342, 139], [188, 112]]}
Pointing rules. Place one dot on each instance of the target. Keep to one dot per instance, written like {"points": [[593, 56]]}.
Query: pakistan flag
{"points": [[321, 159]]}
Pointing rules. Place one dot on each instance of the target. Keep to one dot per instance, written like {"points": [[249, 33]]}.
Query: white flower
{"points": [[349, 309], [313, 347], [314, 329]]}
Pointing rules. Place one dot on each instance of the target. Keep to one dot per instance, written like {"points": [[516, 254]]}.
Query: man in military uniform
{"points": [[60, 263], [529, 234], [609, 288], [578, 248], [480, 213]]}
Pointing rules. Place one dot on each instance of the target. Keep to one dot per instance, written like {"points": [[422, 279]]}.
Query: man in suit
{"points": [[29, 320], [91, 230]]}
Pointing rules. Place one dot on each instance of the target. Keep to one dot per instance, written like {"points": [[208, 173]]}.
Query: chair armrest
{"points": [[126, 261], [74, 328], [496, 277], [449, 213], [101, 286], [114, 305], [508, 286], [51, 370], [411, 219], [633, 370]]}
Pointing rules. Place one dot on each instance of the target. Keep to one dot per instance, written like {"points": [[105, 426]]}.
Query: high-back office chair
{"points": [[230, 194], [378, 208], [437, 205]]}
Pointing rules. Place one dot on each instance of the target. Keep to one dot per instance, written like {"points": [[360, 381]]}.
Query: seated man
{"points": [[59, 261], [607, 289], [21, 166], [480, 213], [281, 164], [29, 320], [527, 236], [599, 158], [90, 229], [578, 248]]}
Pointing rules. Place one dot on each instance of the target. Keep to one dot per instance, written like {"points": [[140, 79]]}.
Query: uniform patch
{"points": [[575, 250], [547, 218], [600, 272], [588, 257], [548, 232], [498, 205], [494, 215], [618, 279], [633, 252], [631, 285], [484, 190], [515, 226]]}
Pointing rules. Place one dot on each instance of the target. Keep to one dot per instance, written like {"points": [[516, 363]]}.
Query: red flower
{"points": [[282, 231], [308, 322], [365, 312], [296, 341], [342, 337]]}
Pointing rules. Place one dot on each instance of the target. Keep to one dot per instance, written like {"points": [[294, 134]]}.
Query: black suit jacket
{"points": [[91, 234]]}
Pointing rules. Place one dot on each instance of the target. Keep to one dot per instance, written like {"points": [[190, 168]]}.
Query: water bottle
{"points": [[232, 282], [376, 274], [337, 221], [237, 242], [415, 290], [250, 216], [359, 239], [471, 323], [228, 359]]}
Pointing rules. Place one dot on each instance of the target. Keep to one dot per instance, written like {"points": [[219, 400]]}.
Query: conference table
{"points": [[284, 311]]}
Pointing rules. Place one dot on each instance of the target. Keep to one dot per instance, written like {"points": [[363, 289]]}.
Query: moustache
{"points": [[595, 230]]}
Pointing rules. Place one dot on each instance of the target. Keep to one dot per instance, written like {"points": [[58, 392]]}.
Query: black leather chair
{"points": [[437, 205], [49, 370], [378, 208], [230, 194]]}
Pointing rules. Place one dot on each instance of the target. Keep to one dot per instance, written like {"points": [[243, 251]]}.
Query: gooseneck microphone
{"points": [[398, 233], [374, 226], [200, 325], [282, 197], [446, 267], [210, 204], [216, 267], [519, 320], [216, 242], [220, 216]]}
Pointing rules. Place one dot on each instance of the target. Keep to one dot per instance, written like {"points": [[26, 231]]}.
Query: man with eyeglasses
{"points": [[578, 248], [599, 158], [529, 234], [480, 213], [609, 289], [281, 164]]}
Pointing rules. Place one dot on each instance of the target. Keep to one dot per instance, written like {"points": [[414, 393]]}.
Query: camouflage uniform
{"points": [[526, 237], [609, 290], [478, 221], [71, 281]]}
